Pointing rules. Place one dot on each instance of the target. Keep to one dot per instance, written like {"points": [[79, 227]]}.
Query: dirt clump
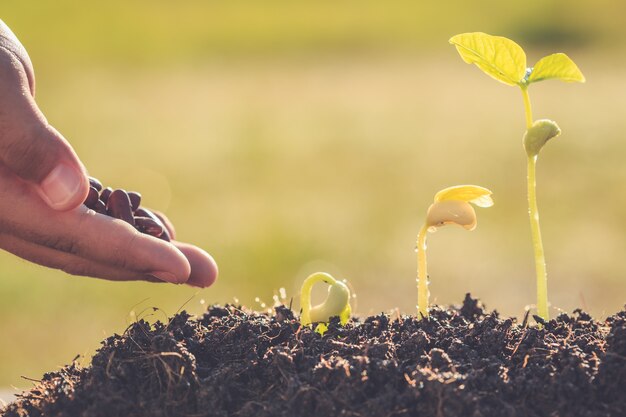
{"points": [[460, 362]]}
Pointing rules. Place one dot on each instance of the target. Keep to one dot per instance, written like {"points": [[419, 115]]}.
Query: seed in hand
{"points": [[143, 212], [149, 226], [100, 207], [92, 198], [95, 184], [125, 206], [135, 199], [104, 194], [118, 206]]}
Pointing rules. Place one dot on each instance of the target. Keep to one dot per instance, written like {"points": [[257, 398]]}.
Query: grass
{"points": [[316, 145]]}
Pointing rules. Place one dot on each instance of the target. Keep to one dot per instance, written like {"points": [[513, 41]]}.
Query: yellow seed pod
{"points": [[452, 206], [539, 134], [451, 212]]}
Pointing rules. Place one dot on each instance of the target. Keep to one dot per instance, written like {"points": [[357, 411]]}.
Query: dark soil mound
{"points": [[232, 362]]}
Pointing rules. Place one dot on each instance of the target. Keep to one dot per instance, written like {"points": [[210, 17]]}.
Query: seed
{"points": [[135, 199], [104, 195], [100, 207], [168, 225], [126, 206], [92, 198], [149, 226], [144, 212], [93, 182], [165, 236], [118, 206]]}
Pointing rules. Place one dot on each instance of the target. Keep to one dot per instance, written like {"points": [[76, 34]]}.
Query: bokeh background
{"points": [[287, 137]]}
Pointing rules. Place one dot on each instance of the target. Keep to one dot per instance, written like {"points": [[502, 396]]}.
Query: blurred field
{"points": [[287, 137]]}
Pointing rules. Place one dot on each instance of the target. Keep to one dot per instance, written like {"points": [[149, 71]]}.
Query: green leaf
{"points": [[498, 57], [558, 66]]}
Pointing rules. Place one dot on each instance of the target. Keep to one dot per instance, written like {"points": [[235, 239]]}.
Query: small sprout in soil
{"points": [[451, 206], [505, 61], [337, 302]]}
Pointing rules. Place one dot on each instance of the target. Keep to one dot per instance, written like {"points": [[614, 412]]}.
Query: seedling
{"points": [[505, 61], [451, 206], [337, 302]]}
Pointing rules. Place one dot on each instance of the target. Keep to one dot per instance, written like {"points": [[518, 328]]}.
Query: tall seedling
{"points": [[505, 61]]}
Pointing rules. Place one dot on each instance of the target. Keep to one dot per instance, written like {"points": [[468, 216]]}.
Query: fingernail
{"points": [[61, 185], [166, 276]]}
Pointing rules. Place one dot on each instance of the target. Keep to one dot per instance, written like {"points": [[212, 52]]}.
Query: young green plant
{"points": [[451, 206], [337, 302], [505, 61]]}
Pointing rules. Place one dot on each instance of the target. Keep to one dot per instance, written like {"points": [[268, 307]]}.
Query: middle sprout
{"points": [[451, 206]]}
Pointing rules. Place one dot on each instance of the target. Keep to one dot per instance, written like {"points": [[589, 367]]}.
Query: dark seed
{"points": [[165, 236], [144, 212], [118, 206], [93, 182], [100, 207], [168, 225], [135, 199], [126, 206], [149, 226], [92, 198], [104, 195]]}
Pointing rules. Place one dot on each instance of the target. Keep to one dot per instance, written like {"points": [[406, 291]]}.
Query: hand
{"points": [[43, 185]]}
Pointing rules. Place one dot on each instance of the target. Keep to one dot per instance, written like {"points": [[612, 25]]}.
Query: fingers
{"points": [[113, 242], [84, 233], [29, 146], [204, 270], [67, 262], [203, 267]]}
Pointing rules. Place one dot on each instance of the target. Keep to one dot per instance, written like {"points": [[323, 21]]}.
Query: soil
{"points": [[461, 362]]}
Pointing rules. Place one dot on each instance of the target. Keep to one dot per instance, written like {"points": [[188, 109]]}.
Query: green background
{"points": [[289, 137]]}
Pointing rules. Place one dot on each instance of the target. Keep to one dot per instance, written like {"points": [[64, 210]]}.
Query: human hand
{"points": [[43, 184]]}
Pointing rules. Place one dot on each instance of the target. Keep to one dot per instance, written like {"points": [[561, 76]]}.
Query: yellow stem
{"points": [[533, 213], [305, 294], [422, 274], [540, 261], [527, 108]]}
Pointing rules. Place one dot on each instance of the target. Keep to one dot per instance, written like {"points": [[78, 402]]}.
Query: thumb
{"points": [[50, 163], [31, 148]]}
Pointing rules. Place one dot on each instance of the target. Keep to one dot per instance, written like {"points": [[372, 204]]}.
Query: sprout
{"points": [[337, 302], [538, 135], [451, 206], [505, 61]]}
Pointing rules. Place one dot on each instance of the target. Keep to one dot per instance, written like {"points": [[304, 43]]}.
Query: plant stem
{"points": [[527, 107], [305, 295], [422, 274], [540, 261], [533, 213]]}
